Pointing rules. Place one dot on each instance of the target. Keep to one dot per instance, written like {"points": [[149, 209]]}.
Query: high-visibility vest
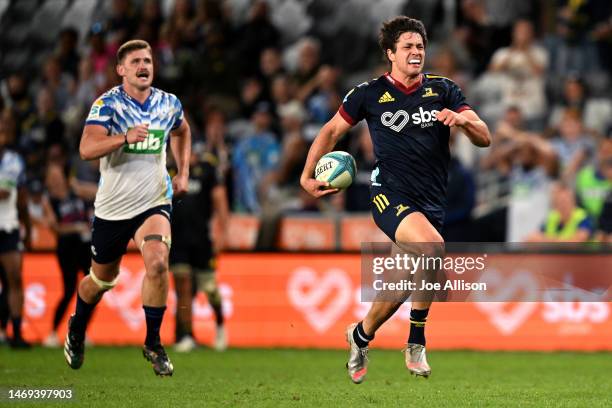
{"points": [[569, 229]]}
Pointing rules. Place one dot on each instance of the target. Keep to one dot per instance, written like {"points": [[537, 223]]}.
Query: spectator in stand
{"points": [[324, 99], [122, 22], [571, 47], [252, 94], [531, 164], [443, 62], [86, 87], [257, 34], [149, 23], [282, 91], [270, 66], [604, 233], [601, 32], [521, 67], [46, 129], [100, 54], [308, 64], [574, 147], [256, 155], [215, 69], [595, 112], [182, 21], [594, 182], [61, 85], [476, 32], [19, 104], [294, 150], [67, 53], [152, 14], [566, 222]]}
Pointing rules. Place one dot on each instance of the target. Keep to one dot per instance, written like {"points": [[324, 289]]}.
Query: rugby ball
{"points": [[337, 168]]}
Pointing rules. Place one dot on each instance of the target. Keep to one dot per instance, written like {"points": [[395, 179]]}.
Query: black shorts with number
{"points": [[390, 208], [109, 239], [197, 253], [9, 241]]}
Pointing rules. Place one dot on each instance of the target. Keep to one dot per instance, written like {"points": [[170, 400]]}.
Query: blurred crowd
{"points": [[259, 78]]}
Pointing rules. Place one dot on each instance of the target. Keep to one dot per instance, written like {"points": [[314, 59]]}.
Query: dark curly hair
{"points": [[392, 29]]}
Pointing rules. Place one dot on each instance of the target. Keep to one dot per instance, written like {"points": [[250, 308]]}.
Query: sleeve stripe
{"points": [[97, 122], [463, 108], [177, 124], [346, 116]]}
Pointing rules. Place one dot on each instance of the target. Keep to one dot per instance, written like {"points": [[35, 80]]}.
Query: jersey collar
{"points": [[402, 87], [143, 106]]}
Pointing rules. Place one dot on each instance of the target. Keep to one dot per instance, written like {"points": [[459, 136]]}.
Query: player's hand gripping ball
{"points": [[336, 168]]}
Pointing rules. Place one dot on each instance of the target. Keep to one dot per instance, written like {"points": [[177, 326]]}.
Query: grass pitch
{"points": [[115, 376]]}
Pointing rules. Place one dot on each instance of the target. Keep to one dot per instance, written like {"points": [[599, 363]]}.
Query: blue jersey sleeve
{"points": [[353, 106], [455, 100], [101, 113], [179, 115]]}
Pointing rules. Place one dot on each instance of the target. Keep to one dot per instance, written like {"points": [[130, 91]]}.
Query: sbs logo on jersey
{"points": [[396, 121]]}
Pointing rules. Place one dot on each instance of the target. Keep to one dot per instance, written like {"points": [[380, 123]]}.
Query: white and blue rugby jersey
{"points": [[12, 176], [134, 177]]}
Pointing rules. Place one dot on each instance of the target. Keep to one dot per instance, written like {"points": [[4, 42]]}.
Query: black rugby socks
{"points": [[418, 318], [361, 338], [154, 316]]}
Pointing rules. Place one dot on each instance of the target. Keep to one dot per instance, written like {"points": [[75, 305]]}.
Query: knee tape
{"points": [[103, 284], [156, 237]]}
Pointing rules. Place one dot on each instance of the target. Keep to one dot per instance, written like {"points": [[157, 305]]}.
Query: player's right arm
{"points": [[351, 111], [325, 141], [96, 142]]}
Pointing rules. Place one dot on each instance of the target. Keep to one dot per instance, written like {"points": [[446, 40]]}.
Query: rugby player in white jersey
{"points": [[13, 213], [128, 129]]}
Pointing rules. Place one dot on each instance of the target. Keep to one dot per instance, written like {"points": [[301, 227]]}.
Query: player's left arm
{"points": [[470, 123], [180, 143]]}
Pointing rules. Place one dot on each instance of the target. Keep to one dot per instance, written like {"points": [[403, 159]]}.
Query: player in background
{"points": [[409, 115], [13, 213], [66, 214], [192, 257], [128, 128]]}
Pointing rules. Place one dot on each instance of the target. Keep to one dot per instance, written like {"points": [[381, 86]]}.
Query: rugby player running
{"points": [[128, 128], [409, 115]]}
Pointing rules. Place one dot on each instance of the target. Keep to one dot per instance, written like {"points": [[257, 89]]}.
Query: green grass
{"points": [[315, 378]]}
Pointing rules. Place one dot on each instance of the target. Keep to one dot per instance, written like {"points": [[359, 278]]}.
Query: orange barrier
{"points": [[290, 300], [356, 229], [297, 233], [307, 233]]}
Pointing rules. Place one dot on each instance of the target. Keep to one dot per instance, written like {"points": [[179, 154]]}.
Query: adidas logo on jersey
{"points": [[386, 97]]}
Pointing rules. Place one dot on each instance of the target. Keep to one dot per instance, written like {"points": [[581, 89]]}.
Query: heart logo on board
{"points": [[321, 298], [508, 301]]}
